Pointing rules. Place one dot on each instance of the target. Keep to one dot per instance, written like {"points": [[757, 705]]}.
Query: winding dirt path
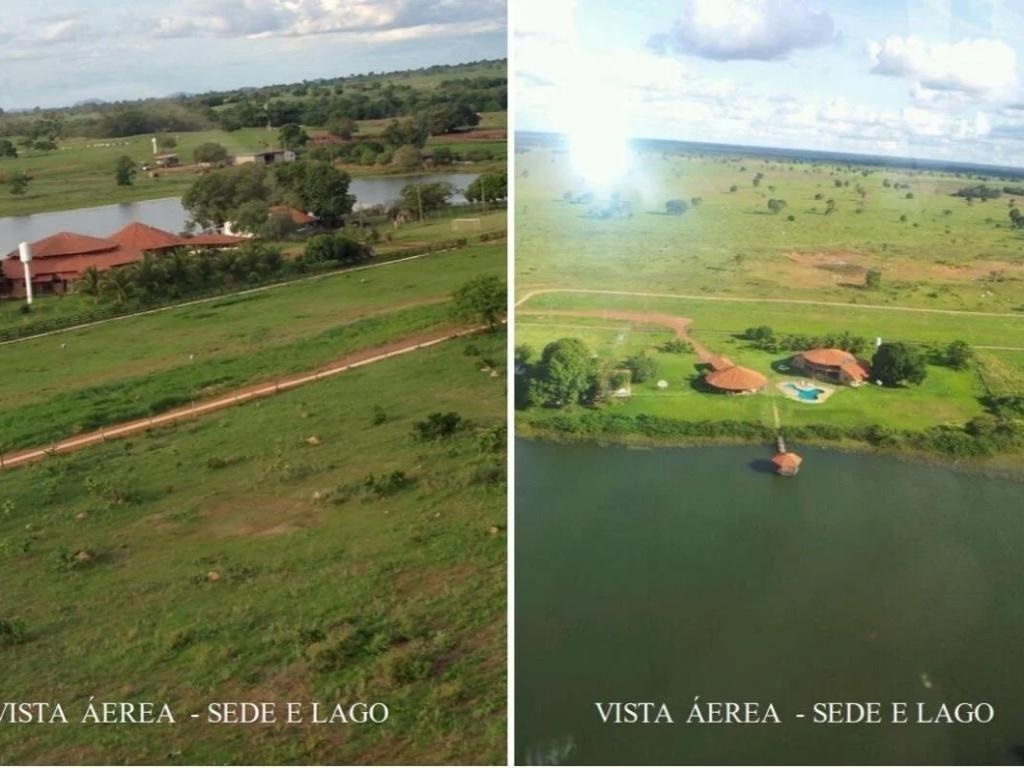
{"points": [[358, 359], [680, 325], [751, 300]]}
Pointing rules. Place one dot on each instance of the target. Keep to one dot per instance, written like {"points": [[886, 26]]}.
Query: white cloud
{"points": [[745, 29], [403, 19], [61, 31], [979, 67]]}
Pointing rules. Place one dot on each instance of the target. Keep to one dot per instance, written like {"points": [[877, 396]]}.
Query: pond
{"points": [[167, 213], [661, 575]]}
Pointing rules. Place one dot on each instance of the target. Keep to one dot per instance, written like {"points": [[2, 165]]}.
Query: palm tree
{"points": [[116, 283], [90, 282]]}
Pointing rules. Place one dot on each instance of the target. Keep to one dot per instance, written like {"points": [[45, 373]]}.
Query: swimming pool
{"points": [[805, 393]]}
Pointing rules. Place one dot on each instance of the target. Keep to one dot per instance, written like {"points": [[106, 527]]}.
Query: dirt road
{"points": [[245, 394]]}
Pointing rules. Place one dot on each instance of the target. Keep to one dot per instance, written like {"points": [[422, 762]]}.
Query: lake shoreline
{"points": [[1004, 466]]}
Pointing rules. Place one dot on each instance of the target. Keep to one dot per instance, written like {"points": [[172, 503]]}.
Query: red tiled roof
{"points": [[720, 363], [69, 267], [855, 370], [67, 244], [736, 379], [141, 237], [787, 460], [295, 214], [833, 358]]}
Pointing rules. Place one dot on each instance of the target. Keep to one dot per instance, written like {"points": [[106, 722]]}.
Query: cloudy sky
{"points": [[64, 51], [924, 78]]}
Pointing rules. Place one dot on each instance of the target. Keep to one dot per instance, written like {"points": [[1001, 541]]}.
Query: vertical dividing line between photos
{"points": [[510, 515]]}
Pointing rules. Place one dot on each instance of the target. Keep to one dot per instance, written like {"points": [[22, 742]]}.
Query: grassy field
{"points": [[731, 244], [62, 384], [223, 563], [728, 263]]}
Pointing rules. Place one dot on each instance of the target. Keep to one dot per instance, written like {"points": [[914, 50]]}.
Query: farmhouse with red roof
{"points": [[833, 365], [58, 261]]}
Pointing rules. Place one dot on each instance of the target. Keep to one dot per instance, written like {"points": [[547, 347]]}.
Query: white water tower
{"points": [[25, 253]]}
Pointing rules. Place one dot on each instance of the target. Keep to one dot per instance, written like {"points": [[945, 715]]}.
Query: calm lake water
{"points": [[167, 213], [660, 575]]}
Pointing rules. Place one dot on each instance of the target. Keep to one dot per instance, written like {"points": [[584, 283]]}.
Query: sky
{"points": [[62, 52], [937, 79]]}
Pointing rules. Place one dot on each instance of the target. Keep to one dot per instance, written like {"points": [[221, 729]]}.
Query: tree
{"points": [[342, 127], [335, 248], [250, 217], [483, 299], [566, 372], [407, 158], [642, 366], [318, 188], [523, 353], [292, 136], [775, 206], [214, 198], [897, 363], [676, 207], [124, 171], [166, 142], [90, 281], [17, 182], [398, 134], [958, 354], [873, 279], [423, 198], [445, 118], [830, 206], [1016, 218], [443, 155], [488, 187], [210, 152], [117, 284], [7, 149]]}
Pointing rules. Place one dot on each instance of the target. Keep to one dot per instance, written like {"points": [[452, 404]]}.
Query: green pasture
{"points": [[713, 315], [731, 244], [231, 560], [57, 385]]}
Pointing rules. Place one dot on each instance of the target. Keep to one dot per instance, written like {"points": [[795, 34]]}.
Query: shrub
{"points": [[12, 632], [439, 426]]}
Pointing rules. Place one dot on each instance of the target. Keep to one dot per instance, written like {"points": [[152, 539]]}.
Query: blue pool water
{"points": [[809, 393]]}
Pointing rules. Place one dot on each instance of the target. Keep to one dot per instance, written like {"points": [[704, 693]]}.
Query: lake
{"points": [[661, 575], [166, 213]]}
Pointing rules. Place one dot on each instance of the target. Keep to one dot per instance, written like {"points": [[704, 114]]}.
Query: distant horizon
{"points": [[901, 161], [283, 84], [74, 50]]}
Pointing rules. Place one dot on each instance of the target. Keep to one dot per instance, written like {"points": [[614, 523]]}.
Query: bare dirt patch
{"points": [[258, 516], [680, 325]]}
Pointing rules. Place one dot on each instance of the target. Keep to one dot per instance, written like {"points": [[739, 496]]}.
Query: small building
{"points": [[832, 365], [787, 464], [736, 380], [266, 157], [299, 218], [325, 139], [167, 161]]}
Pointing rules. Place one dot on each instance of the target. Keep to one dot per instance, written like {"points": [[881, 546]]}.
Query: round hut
{"points": [[736, 380], [787, 463]]}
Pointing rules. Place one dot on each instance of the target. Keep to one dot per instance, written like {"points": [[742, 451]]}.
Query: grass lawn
{"points": [[223, 565], [730, 244], [136, 365]]}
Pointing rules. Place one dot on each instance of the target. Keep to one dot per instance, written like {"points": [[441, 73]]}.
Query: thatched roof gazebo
{"points": [[787, 463], [736, 380]]}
